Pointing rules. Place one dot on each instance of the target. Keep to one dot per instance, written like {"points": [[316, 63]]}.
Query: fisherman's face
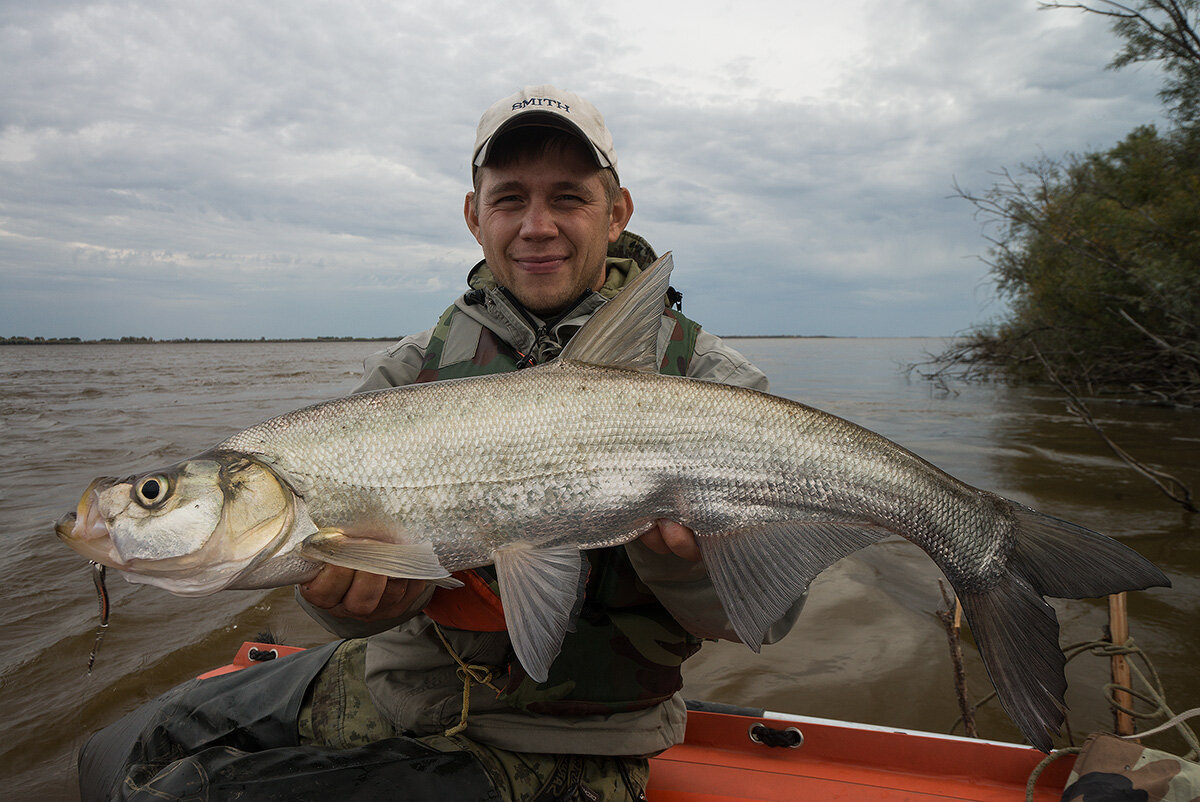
{"points": [[545, 224]]}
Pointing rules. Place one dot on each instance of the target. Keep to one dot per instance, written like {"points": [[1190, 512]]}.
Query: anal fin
{"points": [[539, 588], [400, 560], [760, 571]]}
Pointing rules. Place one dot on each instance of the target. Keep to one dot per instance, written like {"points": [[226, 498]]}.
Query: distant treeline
{"points": [[111, 340], [73, 341]]}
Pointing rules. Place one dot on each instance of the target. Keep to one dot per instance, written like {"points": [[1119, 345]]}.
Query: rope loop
{"points": [[468, 673], [1149, 690]]}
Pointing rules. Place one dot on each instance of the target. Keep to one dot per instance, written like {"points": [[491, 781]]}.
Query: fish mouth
{"points": [[64, 527], [85, 529]]}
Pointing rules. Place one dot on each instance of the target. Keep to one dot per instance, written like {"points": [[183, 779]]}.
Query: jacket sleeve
{"points": [[715, 361], [394, 366], [684, 587]]}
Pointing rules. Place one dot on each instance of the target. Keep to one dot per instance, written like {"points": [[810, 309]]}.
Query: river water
{"points": [[868, 648]]}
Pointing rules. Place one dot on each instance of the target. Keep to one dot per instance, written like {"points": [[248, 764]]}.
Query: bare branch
{"points": [[1182, 38], [951, 620], [1174, 489], [1166, 346]]}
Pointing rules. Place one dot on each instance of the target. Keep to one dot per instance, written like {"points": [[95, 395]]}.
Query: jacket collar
{"points": [[493, 307]]}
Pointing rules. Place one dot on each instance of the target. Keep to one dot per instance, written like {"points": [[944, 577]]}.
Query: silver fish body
{"points": [[585, 456], [524, 470]]}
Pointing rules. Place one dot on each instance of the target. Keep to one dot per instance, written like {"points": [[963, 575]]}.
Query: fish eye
{"points": [[151, 490]]}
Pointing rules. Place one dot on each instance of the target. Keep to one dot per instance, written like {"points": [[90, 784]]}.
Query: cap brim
{"points": [[537, 119]]}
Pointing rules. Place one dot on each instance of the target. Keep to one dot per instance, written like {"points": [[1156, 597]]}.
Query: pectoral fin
{"points": [[539, 589], [404, 561], [759, 572]]}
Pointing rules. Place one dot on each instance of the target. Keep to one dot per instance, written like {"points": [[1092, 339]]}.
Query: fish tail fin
{"points": [[1068, 561], [1017, 635], [1017, 631]]}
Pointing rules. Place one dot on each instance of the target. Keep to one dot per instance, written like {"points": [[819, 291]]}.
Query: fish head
{"points": [[191, 528]]}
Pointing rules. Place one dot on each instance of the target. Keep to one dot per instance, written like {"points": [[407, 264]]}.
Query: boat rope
{"points": [[1152, 694], [1166, 725], [1043, 765], [468, 673], [102, 598]]}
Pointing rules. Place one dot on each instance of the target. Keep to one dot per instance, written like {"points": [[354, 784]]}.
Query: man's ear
{"points": [[621, 212], [471, 215]]}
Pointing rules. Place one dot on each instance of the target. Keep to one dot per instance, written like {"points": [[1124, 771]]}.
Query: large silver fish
{"points": [[525, 469]]}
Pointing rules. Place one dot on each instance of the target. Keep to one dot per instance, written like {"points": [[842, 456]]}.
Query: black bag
{"points": [[234, 736]]}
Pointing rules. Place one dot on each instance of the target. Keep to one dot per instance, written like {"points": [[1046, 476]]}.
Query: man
{"points": [[433, 672], [550, 214]]}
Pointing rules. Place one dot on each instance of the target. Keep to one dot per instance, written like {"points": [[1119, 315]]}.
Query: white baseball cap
{"points": [[547, 106]]}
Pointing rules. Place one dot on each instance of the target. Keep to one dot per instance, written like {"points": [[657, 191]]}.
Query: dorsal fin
{"points": [[624, 332]]}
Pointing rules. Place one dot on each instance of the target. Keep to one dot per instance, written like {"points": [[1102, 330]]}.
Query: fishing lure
{"points": [[102, 598]]}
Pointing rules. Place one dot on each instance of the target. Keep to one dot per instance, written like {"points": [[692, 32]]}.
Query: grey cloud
{"points": [[167, 169]]}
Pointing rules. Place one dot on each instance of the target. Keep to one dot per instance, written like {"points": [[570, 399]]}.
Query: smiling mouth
{"points": [[540, 264]]}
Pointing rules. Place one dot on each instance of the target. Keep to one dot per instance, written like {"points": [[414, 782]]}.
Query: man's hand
{"points": [[346, 593], [669, 537]]}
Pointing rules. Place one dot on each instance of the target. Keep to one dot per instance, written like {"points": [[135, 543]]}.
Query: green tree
{"points": [[1163, 31], [1099, 259], [1098, 255]]}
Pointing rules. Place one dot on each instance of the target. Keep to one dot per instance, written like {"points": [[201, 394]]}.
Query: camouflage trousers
{"points": [[338, 712]]}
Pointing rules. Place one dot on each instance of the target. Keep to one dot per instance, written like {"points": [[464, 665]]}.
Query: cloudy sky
{"points": [[237, 168]]}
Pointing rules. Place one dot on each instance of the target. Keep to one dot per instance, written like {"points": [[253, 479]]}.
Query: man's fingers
{"points": [[346, 593], [328, 587], [669, 537], [680, 539], [363, 596], [652, 539], [399, 597]]}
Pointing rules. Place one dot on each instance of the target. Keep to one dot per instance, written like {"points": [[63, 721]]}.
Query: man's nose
{"points": [[538, 222]]}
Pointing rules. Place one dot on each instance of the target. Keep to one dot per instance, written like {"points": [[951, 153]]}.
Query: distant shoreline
{"points": [[180, 340], [155, 341]]}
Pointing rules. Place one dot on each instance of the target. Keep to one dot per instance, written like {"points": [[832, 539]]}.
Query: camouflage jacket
{"points": [[638, 600]]}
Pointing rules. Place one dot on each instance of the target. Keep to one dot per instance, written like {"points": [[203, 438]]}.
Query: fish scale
{"points": [[577, 446], [526, 470]]}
